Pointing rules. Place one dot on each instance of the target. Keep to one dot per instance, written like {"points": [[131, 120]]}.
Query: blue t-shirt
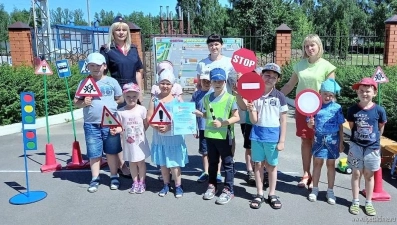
{"points": [[365, 130], [110, 89], [198, 98], [329, 118]]}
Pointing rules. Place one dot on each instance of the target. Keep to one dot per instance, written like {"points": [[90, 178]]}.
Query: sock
{"points": [[94, 178], [356, 201], [315, 189], [368, 202], [112, 176], [330, 190]]}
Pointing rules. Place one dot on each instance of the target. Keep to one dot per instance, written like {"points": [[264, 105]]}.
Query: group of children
{"points": [[217, 112]]}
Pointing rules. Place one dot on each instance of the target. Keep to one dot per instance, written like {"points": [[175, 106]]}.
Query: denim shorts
{"points": [[202, 143], [98, 140], [326, 146], [363, 158], [264, 151]]}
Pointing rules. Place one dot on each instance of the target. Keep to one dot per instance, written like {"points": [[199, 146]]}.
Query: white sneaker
{"points": [[313, 196], [330, 197]]}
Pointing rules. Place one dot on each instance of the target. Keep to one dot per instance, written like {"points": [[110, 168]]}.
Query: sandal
{"points": [[354, 209], [305, 181], [370, 210], [257, 202], [274, 202]]}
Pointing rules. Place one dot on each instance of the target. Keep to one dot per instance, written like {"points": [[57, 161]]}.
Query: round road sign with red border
{"points": [[244, 60], [308, 102], [251, 86]]}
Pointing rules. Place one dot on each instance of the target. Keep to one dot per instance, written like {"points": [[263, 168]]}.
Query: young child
{"points": [[198, 97], [268, 115], [168, 151], [220, 113], [176, 88], [367, 122], [98, 138], [135, 145], [328, 138]]}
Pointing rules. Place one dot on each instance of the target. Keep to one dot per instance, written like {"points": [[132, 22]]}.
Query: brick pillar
{"points": [[283, 44], [136, 39], [390, 53], [20, 44]]}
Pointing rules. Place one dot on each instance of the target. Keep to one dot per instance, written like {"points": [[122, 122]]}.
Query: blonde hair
{"points": [[313, 38], [117, 25]]}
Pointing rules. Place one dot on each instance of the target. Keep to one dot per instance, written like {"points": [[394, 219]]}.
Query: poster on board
{"points": [[185, 53]]}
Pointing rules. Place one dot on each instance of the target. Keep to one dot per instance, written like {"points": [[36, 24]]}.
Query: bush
{"points": [[346, 76], [15, 80]]}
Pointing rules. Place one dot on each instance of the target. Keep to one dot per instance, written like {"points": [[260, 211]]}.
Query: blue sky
{"points": [[117, 6]]}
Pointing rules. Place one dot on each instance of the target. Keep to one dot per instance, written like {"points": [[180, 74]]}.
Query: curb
{"points": [[41, 122]]}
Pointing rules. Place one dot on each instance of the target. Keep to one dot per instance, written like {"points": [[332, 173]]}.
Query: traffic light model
{"points": [[28, 117]]}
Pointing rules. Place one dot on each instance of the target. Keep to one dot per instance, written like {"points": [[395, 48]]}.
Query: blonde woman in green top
{"points": [[309, 72]]}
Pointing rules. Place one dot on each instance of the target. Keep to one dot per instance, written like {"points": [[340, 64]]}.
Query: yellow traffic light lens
{"points": [[28, 108]]}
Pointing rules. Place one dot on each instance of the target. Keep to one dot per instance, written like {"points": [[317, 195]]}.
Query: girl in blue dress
{"points": [[168, 150]]}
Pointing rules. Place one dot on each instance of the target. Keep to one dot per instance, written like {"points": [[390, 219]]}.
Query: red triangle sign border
{"points": [[386, 80], [160, 105], [98, 94], [106, 110], [40, 66]]}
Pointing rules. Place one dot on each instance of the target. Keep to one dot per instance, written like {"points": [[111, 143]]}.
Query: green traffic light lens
{"points": [[29, 119]]}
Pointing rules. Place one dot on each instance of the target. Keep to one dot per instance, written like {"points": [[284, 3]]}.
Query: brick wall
{"points": [[137, 40], [20, 44], [283, 44], [390, 52]]}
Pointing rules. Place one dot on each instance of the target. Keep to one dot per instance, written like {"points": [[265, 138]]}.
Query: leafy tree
{"points": [[4, 22], [78, 16]]}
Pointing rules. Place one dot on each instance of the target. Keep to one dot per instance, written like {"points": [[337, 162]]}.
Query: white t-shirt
{"points": [[206, 65]]}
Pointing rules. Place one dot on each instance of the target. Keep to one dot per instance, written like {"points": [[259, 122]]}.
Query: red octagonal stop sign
{"points": [[251, 86], [244, 60]]}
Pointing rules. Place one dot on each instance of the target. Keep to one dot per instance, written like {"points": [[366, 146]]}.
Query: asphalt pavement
{"points": [[68, 201]]}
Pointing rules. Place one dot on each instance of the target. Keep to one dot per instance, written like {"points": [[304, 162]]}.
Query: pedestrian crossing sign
{"points": [[83, 67]]}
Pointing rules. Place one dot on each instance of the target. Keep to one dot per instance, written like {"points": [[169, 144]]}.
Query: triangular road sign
{"points": [[89, 88], [160, 116], [108, 120], [43, 69], [379, 76]]}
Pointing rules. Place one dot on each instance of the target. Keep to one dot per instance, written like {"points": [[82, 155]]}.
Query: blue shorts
{"points": [[264, 151], [98, 139], [326, 146], [202, 143]]}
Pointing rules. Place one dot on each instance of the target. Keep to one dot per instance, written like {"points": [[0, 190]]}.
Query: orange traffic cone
{"points": [[77, 160], [379, 194], [51, 163]]}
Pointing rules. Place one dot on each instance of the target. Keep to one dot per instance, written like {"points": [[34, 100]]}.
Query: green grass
{"points": [[358, 59]]}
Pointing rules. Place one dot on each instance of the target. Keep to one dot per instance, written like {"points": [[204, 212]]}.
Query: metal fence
{"points": [[360, 49], [5, 53], [72, 43], [263, 46]]}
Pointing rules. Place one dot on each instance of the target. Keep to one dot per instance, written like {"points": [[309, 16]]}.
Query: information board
{"points": [[185, 53]]}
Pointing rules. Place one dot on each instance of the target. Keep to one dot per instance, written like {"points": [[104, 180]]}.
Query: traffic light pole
{"points": [[46, 108]]}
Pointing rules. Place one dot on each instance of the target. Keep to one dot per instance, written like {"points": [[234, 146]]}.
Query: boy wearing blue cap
{"points": [[328, 138], [220, 114]]}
